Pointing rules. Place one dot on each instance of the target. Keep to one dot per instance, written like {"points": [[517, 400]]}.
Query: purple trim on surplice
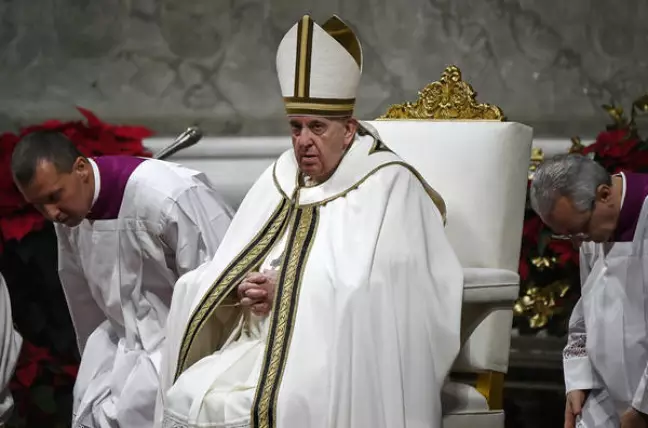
{"points": [[114, 173], [636, 191]]}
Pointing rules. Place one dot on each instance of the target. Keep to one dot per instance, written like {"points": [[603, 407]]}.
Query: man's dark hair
{"points": [[36, 147]]}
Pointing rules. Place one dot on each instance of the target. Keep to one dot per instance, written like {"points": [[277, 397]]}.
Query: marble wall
{"points": [[171, 63]]}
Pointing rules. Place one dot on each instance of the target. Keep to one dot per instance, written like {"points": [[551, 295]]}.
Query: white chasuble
{"points": [[365, 323], [607, 349], [118, 271], [10, 344]]}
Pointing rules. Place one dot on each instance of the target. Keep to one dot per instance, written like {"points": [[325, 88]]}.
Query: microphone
{"points": [[191, 136]]}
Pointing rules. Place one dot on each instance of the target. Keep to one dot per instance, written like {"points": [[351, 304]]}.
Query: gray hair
{"points": [[573, 176]]}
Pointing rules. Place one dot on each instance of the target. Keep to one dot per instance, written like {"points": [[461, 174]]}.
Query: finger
{"points": [[256, 293], [270, 273], [570, 419], [576, 407], [243, 288], [260, 308], [246, 301], [256, 277]]}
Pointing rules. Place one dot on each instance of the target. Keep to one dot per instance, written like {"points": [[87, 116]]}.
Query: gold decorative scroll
{"points": [[537, 157], [448, 98]]}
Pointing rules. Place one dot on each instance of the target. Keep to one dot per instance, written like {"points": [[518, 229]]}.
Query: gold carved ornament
{"points": [[451, 98], [539, 303]]}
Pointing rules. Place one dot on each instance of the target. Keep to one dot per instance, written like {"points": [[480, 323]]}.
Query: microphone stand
{"points": [[188, 138]]}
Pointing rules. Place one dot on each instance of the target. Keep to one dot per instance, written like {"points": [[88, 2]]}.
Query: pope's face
{"points": [[61, 197], [320, 143]]}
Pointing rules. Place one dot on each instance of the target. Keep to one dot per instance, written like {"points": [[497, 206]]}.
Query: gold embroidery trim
{"points": [[436, 197], [243, 263], [304, 52], [302, 235]]}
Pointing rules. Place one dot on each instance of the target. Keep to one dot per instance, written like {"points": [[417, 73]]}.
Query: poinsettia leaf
{"points": [[543, 240], [92, 119], [132, 132]]}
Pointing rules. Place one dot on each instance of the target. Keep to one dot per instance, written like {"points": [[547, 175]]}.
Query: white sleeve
{"points": [[10, 344], [84, 311], [578, 371], [194, 227]]}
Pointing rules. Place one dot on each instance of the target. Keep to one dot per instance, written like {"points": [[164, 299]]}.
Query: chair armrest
{"points": [[486, 285]]}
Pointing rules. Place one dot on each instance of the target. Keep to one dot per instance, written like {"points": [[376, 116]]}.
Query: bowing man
{"points": [[127, 229], [606, 357]]}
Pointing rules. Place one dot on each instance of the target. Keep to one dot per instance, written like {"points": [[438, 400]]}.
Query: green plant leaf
{"points": [[543, 241], [43, 396]]}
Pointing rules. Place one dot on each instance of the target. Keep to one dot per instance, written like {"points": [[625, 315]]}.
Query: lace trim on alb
{"points": [[576, 348]]}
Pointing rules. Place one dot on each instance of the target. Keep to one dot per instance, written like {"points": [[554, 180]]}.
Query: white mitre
{"points": [[319, 68]]}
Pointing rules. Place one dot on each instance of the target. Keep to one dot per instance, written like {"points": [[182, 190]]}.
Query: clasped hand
{"points": [[631, 418], [256, 291]]}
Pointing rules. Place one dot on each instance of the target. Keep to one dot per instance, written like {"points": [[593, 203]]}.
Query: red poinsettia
{"points": [[531, 231], [618, 150], [31, 359], [93, 138]]}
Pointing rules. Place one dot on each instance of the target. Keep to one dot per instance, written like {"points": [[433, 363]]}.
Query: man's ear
{"points": [[350, 129], [82, 167], [604, 193]]}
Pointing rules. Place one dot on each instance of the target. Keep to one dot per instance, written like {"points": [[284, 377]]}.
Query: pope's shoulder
{"points": [[399, 176]]}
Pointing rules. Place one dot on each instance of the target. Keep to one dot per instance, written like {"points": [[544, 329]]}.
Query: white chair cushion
{"points": [[486, 419], [483, 285], [465, 407]]}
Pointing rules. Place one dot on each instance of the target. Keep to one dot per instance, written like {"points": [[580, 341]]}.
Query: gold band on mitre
{"points": [[319, 68], [303, 106]]}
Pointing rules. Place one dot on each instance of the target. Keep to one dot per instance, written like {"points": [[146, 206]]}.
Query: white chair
{"points": [[480, 168]]}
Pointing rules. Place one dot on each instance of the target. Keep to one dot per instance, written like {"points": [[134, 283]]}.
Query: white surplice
{"points": [[10, 344], [118, 277], [607, 349], [365, 323]]}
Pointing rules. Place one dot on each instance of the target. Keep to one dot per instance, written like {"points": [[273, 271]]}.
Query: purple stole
{"points": [[114, 173], [636, 191]]}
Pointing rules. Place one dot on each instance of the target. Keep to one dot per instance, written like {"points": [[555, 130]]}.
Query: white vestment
{"points": [[118, 277], [366, 317], [10, 344], [607, 349]]}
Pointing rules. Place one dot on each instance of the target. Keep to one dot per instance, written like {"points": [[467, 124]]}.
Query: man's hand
{"points": [[574, 406], [256, 291], [633, 419]]}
